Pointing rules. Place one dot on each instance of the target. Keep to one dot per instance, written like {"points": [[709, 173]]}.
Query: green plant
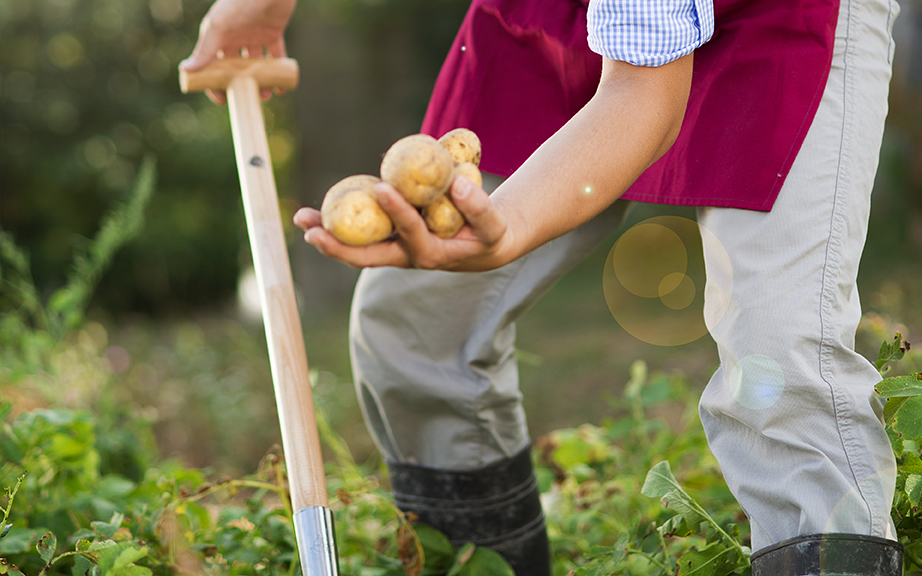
{"points": [[32, 328], [690, 540], [611, 495], [903, 416]]}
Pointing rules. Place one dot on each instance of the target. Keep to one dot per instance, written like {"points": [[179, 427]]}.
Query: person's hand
{"points": [[483, 243], [235, 28]]}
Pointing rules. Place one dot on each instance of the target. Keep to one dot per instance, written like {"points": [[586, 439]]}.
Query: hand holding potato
{"points": [[486, 242], [422, 181]]}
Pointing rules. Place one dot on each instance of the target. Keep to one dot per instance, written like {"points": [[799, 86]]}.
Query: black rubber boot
{"points": [[830, 555], [496, 507]]}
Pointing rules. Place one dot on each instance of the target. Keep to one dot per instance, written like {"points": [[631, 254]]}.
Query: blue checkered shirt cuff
{"points": [[651, 32]]}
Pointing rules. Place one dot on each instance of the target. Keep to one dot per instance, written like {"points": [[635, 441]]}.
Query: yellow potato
{"points": [[442, 217], [350, 211], [470, 171], [463, 145], [418, 167]]}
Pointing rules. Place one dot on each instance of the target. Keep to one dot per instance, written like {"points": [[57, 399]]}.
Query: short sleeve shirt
{"points": [[649, 32]]}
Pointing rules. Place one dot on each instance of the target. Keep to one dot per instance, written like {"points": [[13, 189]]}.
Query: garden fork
{"points": [[243, 78]]}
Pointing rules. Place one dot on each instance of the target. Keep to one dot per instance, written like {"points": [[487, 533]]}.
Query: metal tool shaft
{"points": [[316, 541]]}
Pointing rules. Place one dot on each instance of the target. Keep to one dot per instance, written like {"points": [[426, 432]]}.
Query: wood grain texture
{"points": [[287, 356], [268, 73]]}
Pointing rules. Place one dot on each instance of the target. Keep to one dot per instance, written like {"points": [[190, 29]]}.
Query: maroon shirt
{"points": [[519, 69]]}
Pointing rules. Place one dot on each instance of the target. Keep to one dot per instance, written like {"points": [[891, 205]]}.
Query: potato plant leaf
{"points": [[912, 463], [907, 421], [46, 546], [437, 548], [914, 488], [889, 351], [119, 560], [900, 386], [661, 483], [108, 529], [896, 441], [464, 554], [715, 560], [486, 562]]}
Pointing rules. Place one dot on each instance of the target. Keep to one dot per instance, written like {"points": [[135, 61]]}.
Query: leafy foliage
{"points": [[87, 493], [903, 416], [30, 327]]}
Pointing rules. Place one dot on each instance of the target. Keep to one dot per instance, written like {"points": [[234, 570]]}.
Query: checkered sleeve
{"points": [[649, 32]]}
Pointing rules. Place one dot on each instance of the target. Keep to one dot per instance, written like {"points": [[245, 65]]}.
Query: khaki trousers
{"points": [[790, 413]]}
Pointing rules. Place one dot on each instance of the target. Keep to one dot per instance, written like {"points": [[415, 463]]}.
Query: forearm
{"points": [[589, 163]]}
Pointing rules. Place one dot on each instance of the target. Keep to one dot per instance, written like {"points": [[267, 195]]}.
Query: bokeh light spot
{"points": [[653, 281], [64, 50], [644, 255], [756, 381], [677, 291]]}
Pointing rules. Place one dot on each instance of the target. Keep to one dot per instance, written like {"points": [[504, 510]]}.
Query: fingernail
{"points": [[310, 236], [382, 198]]}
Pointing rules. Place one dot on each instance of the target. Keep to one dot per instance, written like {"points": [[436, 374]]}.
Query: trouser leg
{"points": [[433, 359], [790, 413], [433, 353]]}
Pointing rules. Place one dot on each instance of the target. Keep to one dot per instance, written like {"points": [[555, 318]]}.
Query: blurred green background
{"points": [[89, 87]]}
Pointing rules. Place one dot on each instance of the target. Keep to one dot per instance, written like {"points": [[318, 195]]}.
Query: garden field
{"points": [[138, 427]]}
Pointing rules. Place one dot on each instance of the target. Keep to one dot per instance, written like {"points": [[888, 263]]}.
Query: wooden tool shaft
{"points": [[287, 357]]}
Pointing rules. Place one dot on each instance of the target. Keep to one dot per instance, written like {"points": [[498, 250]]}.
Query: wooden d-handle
{"points": [[268, 73]]}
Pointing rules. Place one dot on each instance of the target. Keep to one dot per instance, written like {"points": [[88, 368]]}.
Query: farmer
{"points": [[768, 115]]}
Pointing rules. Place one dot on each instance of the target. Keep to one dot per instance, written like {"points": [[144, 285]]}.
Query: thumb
{"points": [[206, 49]]}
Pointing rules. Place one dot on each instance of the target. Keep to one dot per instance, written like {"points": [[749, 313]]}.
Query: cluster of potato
{"points": [[419, 167]]}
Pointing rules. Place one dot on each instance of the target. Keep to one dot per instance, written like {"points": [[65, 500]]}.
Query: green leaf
{"points": [[437, 548], [464, 554], [675, 526], [908, 420], [896, 442], [914, 488], [893, 406], [577, 447], [486, 562], [10, 448], [5, 530], [890, 351], [660, 483], [20, 540], [119, 560], [46, 546], [108, 529], [84, 567], [900, 386], [715, 560], [912, 464], [604, 560]]}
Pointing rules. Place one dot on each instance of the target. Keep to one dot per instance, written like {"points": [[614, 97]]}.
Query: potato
{"points": [[470, 171], [442, 217], [463, 145], [350, 211], [418, 167]]}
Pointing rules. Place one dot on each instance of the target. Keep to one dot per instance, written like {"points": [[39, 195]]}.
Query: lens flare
{"points": [[756, 381], [654, 280]]}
